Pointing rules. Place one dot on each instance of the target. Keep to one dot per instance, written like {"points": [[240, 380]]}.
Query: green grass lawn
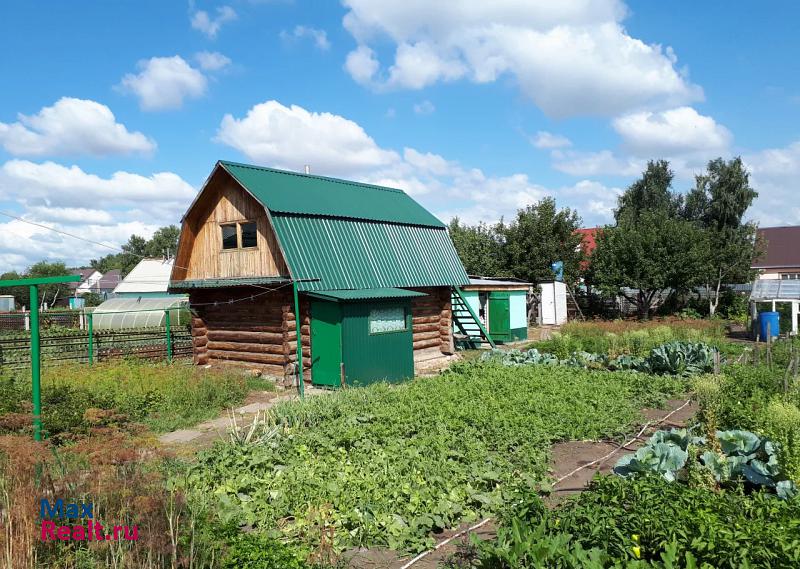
{"points": [[161, 396]]}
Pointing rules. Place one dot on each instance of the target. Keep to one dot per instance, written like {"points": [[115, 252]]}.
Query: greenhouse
{"points": [[776, 294], [120, 313]]}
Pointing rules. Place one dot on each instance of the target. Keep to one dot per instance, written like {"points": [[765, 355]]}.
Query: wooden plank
{"points": [[240, 336]]}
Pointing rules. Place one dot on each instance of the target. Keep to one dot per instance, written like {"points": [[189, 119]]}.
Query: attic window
{"points": [[249, 234], [241, 235], [229, 240]]}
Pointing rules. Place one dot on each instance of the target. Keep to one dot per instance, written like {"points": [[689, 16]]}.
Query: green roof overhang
{"points": [[365, 294]]}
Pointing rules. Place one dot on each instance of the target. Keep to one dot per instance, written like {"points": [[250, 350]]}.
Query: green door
{"points": [[499, 316], [377, 341], [326, 343]]}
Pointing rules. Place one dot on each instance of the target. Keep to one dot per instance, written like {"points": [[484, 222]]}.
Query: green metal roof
{"points": [[304, 194], [356, 254], [219, 283], [366, 294]]}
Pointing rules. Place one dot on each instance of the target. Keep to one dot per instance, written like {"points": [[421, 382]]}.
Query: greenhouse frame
{"points": [[118, 313], [775, 292]]}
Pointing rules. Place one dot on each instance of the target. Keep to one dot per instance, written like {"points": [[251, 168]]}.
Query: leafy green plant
{"points": [[681, 358], [391, 465], [741, 455], [646, 522], [674, 358]]}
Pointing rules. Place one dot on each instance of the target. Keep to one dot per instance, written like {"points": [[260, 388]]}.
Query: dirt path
{"points": [[202, 436], [566, 458]]}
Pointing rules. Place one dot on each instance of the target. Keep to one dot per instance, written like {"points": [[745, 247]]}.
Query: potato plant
{"points": [[387, 466]]}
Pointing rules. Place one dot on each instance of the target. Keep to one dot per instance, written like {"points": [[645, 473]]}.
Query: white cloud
{"points": [[72, 127], [210, 26], [361, 64], [103, 209], [570, 57], [272, 134], [672, 132], [424, 108], [544, 139], [289, 137], [318, 37], [164, 82], [774, 174], [600, 163], [212, 60]]}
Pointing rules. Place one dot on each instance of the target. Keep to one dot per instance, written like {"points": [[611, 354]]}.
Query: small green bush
{"points": [[257, 551], [781, 422]]}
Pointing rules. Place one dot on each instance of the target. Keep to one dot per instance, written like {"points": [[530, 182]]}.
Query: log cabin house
{"points": [[368, 269]]}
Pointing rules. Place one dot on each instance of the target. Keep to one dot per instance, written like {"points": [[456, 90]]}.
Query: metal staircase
{"points": [[467, 322]]}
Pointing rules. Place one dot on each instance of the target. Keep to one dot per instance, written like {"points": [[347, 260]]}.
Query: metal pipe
{"points": [[169, 335], [90, 325], [35, 364], [299, 341]]}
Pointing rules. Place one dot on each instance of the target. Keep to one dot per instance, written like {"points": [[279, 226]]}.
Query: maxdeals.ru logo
{"points": [[87, 530]]}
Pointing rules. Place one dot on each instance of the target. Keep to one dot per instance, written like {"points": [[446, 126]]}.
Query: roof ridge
{"points": [[316, 176]]}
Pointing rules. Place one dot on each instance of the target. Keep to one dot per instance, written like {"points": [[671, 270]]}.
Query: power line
{"points": [[113, 248]]}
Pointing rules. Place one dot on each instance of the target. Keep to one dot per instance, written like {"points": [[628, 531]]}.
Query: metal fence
{"points": [[19, 321], [78, 346]]}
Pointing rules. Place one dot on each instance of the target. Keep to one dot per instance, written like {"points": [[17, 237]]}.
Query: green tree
{"points": [[20, 293], [479, 247], [163, 242], [49, 293], [651, 192], [540, 235], [652, 247], [717, 204]]}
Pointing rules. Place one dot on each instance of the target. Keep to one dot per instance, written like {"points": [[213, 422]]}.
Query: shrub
{"points": [[781, 422]]}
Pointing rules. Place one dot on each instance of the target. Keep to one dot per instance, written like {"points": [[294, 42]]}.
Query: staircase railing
{"points": [[457, 311]]}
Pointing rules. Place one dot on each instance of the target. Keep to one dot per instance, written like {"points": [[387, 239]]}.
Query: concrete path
{"points": [[205, 433]]}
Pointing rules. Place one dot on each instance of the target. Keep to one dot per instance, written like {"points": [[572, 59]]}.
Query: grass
{"points": [[386, 466], [161, 396], [633, 338]]}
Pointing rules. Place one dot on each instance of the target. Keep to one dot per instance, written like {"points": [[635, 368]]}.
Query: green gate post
{"points": [[36, 353], [35, 367], [90, 325], [169, 336], [299, 341]]}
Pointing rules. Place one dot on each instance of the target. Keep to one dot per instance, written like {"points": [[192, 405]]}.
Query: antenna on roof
{"points": [[307, 169]]}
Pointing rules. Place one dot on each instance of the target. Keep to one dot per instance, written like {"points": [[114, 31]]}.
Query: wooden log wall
{"points": [[432, 320], [261, 332]]}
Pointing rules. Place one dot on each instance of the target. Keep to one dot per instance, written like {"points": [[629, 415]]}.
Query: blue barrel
{"points": [[771, 319]]}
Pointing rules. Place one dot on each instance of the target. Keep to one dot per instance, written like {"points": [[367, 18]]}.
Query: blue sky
{"points": [[113, 114]]}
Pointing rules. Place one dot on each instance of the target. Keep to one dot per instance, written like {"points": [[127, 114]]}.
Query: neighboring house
{"points": [[588, 243], [148, 279], [109, 282], [372, 269], [780, 258], [90, 279]]}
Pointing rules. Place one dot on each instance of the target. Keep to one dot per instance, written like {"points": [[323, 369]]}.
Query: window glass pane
{"points": [[249, 234], [229, 236], [391, 319]]}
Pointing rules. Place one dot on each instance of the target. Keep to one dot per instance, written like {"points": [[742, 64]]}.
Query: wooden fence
{"points": [[73, 346]]}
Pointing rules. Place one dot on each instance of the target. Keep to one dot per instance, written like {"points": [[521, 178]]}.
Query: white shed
{"points": [[553, 303]]}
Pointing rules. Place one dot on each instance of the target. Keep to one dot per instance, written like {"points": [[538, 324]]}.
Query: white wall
{"points": [[518, 309]]}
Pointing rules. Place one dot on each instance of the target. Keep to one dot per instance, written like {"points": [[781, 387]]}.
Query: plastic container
{"points": [[769, 320]]}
